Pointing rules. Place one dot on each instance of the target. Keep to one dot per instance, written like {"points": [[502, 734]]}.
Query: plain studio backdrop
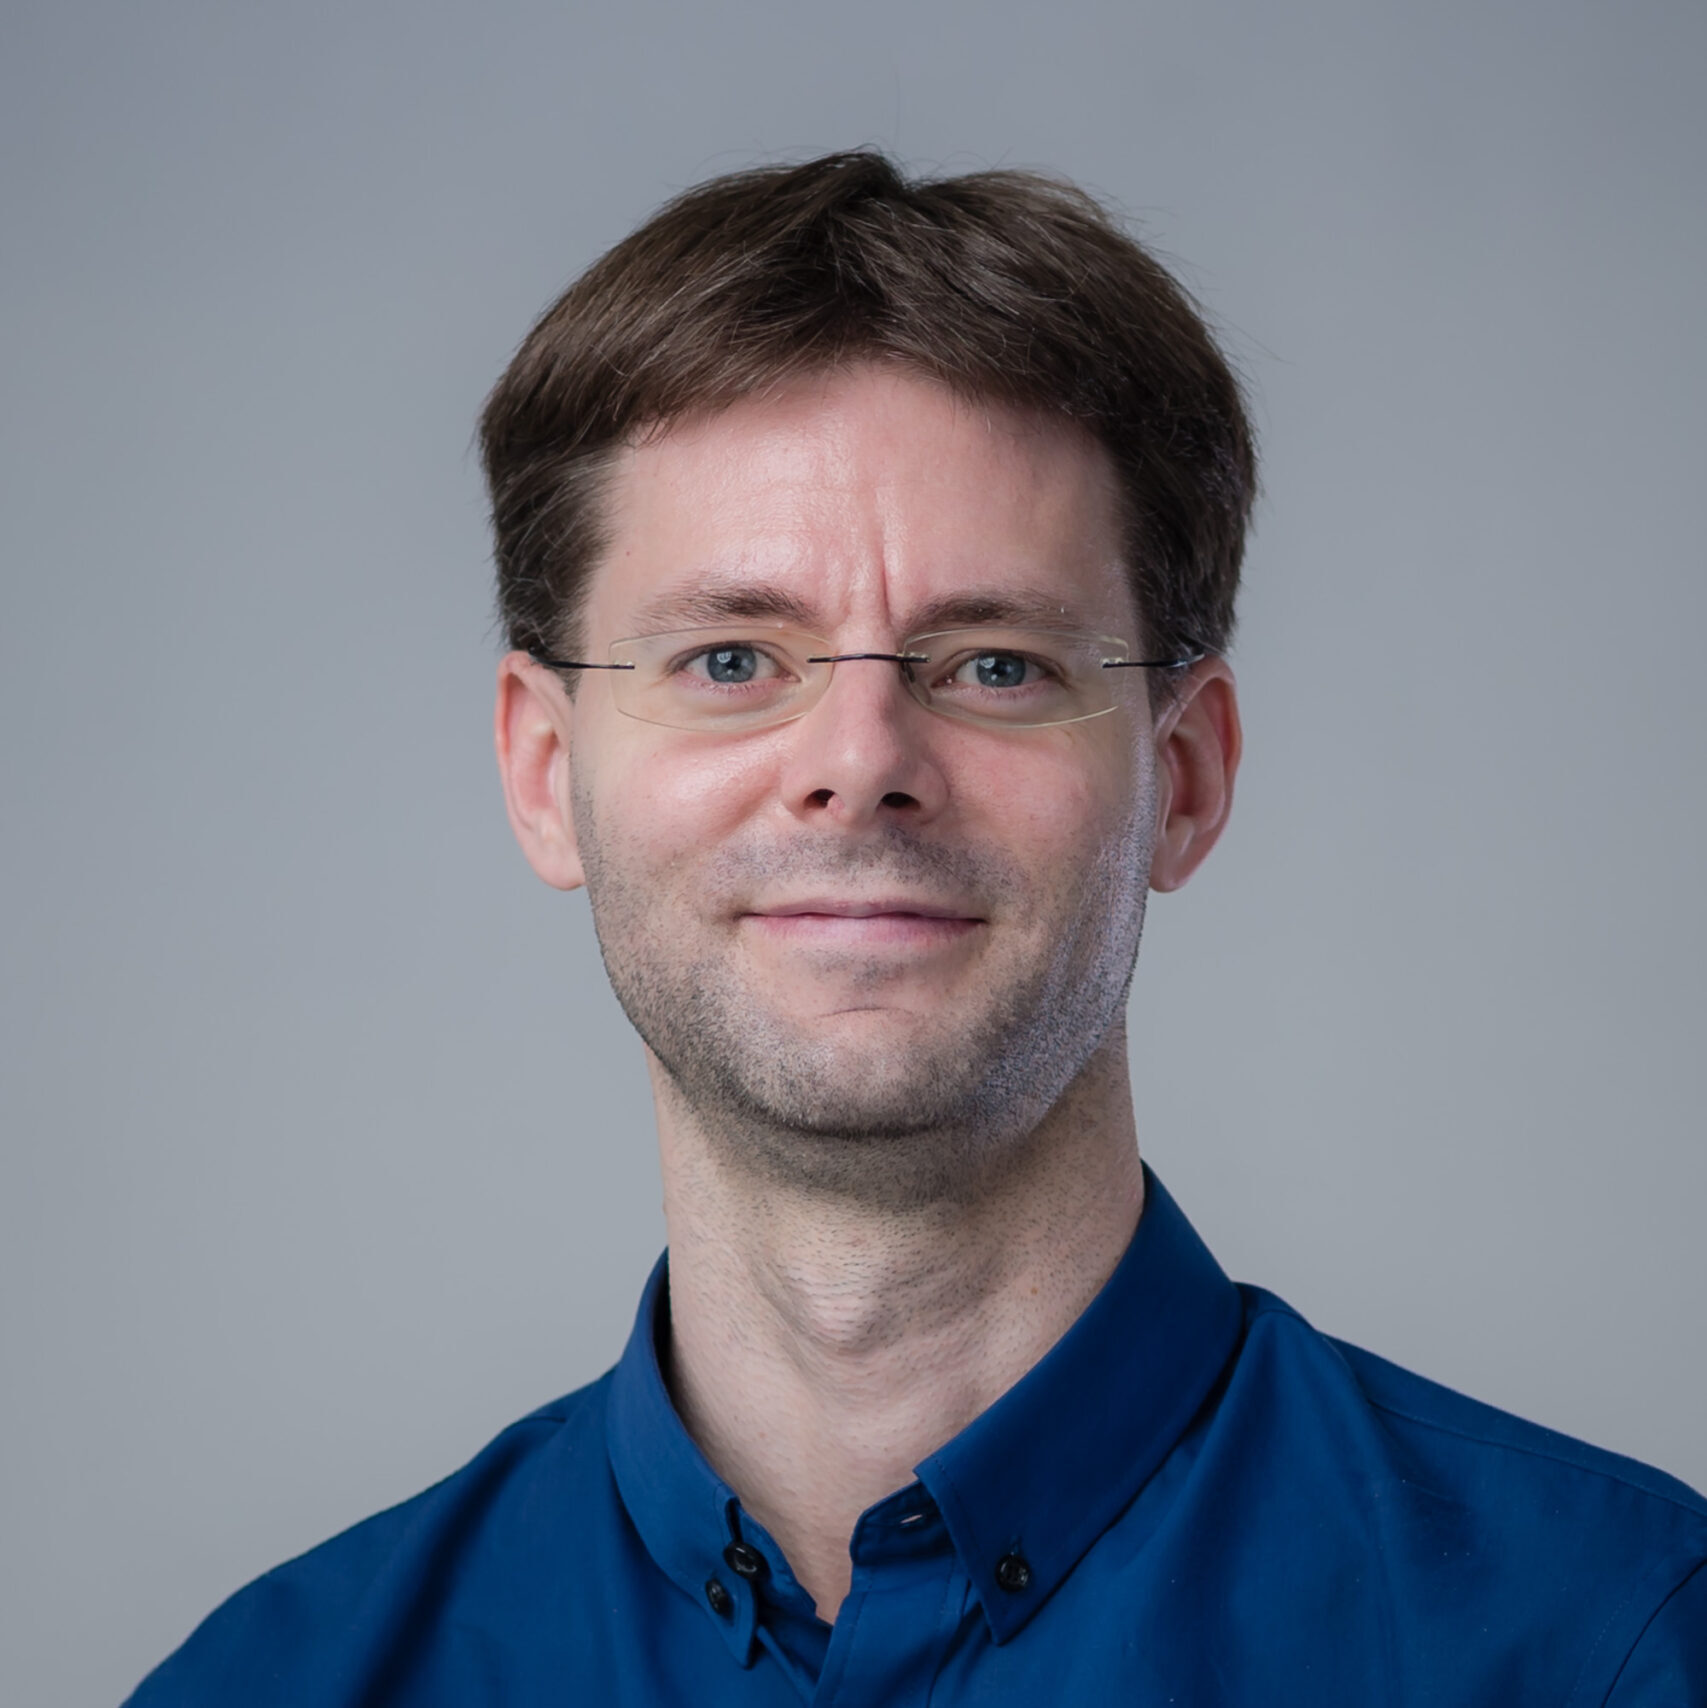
{"points": [[326, 1150]]}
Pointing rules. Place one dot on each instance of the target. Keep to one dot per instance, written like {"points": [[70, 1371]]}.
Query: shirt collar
{"points": [[1044, 1471], [1037, 1477], [685, 1513]]}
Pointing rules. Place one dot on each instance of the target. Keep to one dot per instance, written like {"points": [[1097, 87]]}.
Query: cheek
{"points": [[665, 799], [1071, 806]]}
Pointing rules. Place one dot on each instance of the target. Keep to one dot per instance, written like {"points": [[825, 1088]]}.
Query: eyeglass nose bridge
{"points": [[906, 660], [880, 657]]}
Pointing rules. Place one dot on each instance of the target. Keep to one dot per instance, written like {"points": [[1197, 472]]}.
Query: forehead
{"points": [[867, 497]]}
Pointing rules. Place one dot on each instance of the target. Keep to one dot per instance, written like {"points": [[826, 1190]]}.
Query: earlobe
{"points": [[1198, 743], [532, 725]]}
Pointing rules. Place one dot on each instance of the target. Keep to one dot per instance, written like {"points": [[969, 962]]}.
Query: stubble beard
{"points": [[935, 1113]]}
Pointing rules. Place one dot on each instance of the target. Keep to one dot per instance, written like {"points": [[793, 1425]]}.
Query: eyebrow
{"points": [[1017, 608], [711, 603]]}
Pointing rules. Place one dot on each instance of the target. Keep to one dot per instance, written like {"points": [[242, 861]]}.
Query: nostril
{"points": [[894, 798]]}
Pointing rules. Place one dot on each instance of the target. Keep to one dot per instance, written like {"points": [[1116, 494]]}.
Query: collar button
{"points": [[1013, 1573], [722, 1602], [744, 1559]]}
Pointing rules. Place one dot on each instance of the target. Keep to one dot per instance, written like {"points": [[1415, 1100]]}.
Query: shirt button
{"points": [[722, 1602], [1013, 1573], [744, 1559]]}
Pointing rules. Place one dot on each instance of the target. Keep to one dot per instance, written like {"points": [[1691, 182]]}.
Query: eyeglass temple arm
{"points": [[1195, 656], [571, 663]]}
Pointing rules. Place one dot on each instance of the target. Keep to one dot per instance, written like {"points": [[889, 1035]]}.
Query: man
{"points": [[868, 551]]}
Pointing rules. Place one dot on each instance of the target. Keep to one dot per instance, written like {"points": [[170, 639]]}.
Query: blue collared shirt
{"points": [[1193, 1498]]}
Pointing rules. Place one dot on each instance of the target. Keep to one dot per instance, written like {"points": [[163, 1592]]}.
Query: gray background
{"points": [[326, 1152]]}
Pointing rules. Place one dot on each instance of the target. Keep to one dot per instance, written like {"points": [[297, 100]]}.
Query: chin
{"points": [[871, 1153], [869, 1079]]}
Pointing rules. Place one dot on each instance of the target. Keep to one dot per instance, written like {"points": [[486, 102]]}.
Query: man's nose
{"points": [[865, 751]]}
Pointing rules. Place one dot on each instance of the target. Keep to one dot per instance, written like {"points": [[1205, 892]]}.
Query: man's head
{"points": [[870, 948], [1001, 286]]}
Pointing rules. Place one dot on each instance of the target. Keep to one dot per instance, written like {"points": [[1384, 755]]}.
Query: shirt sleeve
{"points": [[1667, 1668]]}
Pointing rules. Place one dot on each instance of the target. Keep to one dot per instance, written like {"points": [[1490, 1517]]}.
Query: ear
{"points": [[532, 724], [1198, 742]]}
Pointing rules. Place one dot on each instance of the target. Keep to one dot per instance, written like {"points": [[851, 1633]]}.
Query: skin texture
{"points": [[879, 958]]}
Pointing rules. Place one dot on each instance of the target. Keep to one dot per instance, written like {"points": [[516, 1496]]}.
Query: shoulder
{"points": [[1459, 1506], [1415, 1404], [1484, 1439], [326, 1625]]}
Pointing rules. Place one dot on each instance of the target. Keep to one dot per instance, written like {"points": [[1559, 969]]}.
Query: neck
{"points": [[820, 1348]]}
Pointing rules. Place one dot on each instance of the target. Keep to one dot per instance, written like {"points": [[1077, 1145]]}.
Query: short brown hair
{"points": [[1007, 286]]}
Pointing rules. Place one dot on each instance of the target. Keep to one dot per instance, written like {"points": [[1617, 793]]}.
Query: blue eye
{"points": [[731, 663], [997, 670], [1000, 670]]}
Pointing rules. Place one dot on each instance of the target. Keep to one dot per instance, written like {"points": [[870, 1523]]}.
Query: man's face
{"points": [[870, 948]]}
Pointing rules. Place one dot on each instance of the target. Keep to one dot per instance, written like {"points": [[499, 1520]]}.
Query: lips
{"points": [[837, 907], [888, 924]]}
